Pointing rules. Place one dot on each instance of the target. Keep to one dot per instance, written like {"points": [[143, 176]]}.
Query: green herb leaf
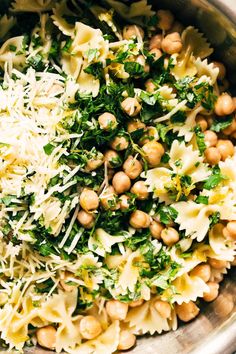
{"points": [[167, 214], [214, 218], [202, 199], [134, 69], [48, 149], [200, 138], [221, 123], [214, 179]]}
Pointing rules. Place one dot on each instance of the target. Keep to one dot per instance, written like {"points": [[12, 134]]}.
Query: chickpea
{"points": [[170, 236], [89, 200], [212, 155], [90, 327], [124, 202], [222, 70], [46, 337], [225, 148], [93, 164], [172, 43], [231, 128], [213, 292], [217, 263], [202, 271], [231, 228], [139, 219], [141, 190], [107, 121], [224, 304], [131, 106], [150, 86], [108, 199], [132, 167], [155, 42], [121, 182], [153, 153], [112, 158], [234, 100], [134, 125], [202, 122], [117, 310], [187, 311], [85, 219], [224, 105], [156, 228], [165, 19], [64, 282], [119, 143], [136, 303], [163, 308], [127, 340], [210, 138], [156, 53], [133, 31], [142, 61]]}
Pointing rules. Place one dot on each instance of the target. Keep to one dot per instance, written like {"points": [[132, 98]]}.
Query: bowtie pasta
{"points": [[117, 174]]}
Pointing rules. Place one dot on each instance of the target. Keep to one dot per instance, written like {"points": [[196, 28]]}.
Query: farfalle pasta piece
{"points": [[194, 45], [88, 84], [132, 11], [11, 52], [208, 70], [224, 249], [194, 218], [190, 163], [186, 129], [187, 264], [60, 10], [156, 180], [32, 5], [6, 23], [107, 342], [146, 319], [101, 242], [185, 288]]}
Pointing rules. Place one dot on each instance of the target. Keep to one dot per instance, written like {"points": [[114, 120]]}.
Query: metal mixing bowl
{"points": [[214, 331]]}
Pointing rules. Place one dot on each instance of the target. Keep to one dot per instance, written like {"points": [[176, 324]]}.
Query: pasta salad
{"points": [[117, 174]]}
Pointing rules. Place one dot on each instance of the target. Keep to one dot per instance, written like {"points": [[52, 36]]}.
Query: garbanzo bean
{"points": [[141, 190], [226, 148], [121, 182], [222, 70], [155, 42], [107, 121], [150, 86], [202, 271], [187, 311], [132, 167], [90, 327], [153, 153], [165, 19], [231, 128], [89, 200], [156, 228], [224, 105], [169, 236], [202, 122], [124, 202], [156, 53], [172, 43], [85, 219], [94, 163], [217, 263], [119, 143], [131, 106], [46, 337], [150, 134], [112, 158], [108, 199], [212, 293], [133, 31], [163, 308], [231, 228], [212, 155], [117, 310], [134, 125], [210, 138], [127, 340], [224, 304], [139, 219]]}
